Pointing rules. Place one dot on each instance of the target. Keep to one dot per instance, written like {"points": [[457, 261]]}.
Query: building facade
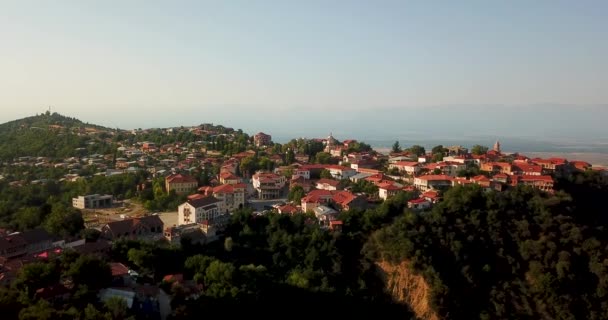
{"points": [[262, 139], [268, 185], [93, 201], [207, 208], [181, 184]]}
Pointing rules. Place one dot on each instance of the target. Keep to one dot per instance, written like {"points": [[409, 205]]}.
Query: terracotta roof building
{"points": [[134, 228], [182, 184]]}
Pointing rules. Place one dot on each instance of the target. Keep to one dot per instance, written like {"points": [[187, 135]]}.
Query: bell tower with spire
{"points": [[497, 146]]}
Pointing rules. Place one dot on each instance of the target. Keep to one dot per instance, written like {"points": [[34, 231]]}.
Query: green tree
{"points": [[36, 275], [437, 157], [143, 258], [218, 278], [417, 150], [439, 149], [91, 272], [323, 158], [325, 174], [28, 218], [91, 313], [396, 147], [117, 307], [10, 304], [64, 221], [296, 194], [42, 310], [479, 150]]}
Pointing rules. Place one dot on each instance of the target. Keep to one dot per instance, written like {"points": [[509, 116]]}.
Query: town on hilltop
{"points": [[182, 185]]}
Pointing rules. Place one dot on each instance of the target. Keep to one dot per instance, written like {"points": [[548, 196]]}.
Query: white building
{"points": [[409, 167], [93, 201], [199, 210], [340, 172], [387, 190], [428, 182]]}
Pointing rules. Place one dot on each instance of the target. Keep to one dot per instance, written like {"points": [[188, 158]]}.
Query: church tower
{"points": [[497, 146]]}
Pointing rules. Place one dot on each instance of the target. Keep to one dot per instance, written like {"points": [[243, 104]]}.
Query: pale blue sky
{"points": [[163, 63]]}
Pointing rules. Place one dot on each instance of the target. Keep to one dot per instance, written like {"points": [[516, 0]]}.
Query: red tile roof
{"points": [[179, 178], [289, 208], [480, 178], [528, 168], [118, 269], [435, 177], [532, 178], [225, 188], [228, 176], [343, 198], [581, 165], [195, 196], [317, 195], [388, 186], [430, 194], [174, 278], [239, 186], [367, 170]]}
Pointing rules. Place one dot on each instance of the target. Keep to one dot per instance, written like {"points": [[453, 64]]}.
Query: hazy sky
{"points": [[160, 63]]}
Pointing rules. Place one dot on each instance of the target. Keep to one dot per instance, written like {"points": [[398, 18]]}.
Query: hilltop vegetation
{"points": [[518, 254], [50, 135]]}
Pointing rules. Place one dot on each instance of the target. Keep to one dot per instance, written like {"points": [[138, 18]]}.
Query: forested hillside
{"points": [[518, 254], [48, 135]]}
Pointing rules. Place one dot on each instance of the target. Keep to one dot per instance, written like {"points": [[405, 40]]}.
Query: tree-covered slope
{"points": [[46, 135], [513, 255]]}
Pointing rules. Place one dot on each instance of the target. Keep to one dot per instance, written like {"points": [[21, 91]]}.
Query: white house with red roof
{"points": [[288, 209], [544, 183], [409, 167], [232, 195], [340, 172], [428, 182], [551, 164], [327, 184], [315, 198], [229, 178], [343, 200], [198, 210], [431, 195], [419, 204], [181, 184], [387, 190], [309, 170], [527, 169], [497, 167], [346, 200], [268, 185]]}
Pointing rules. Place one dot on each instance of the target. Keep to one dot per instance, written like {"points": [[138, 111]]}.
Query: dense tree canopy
{"points": [[517, 254], [479, 150]]}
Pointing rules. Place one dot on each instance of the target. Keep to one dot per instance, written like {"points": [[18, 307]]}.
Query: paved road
{"points": [[261, 205], [164, 304]]}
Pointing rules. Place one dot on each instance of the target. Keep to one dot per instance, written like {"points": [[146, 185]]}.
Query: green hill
{"points": [[50, 135]]}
